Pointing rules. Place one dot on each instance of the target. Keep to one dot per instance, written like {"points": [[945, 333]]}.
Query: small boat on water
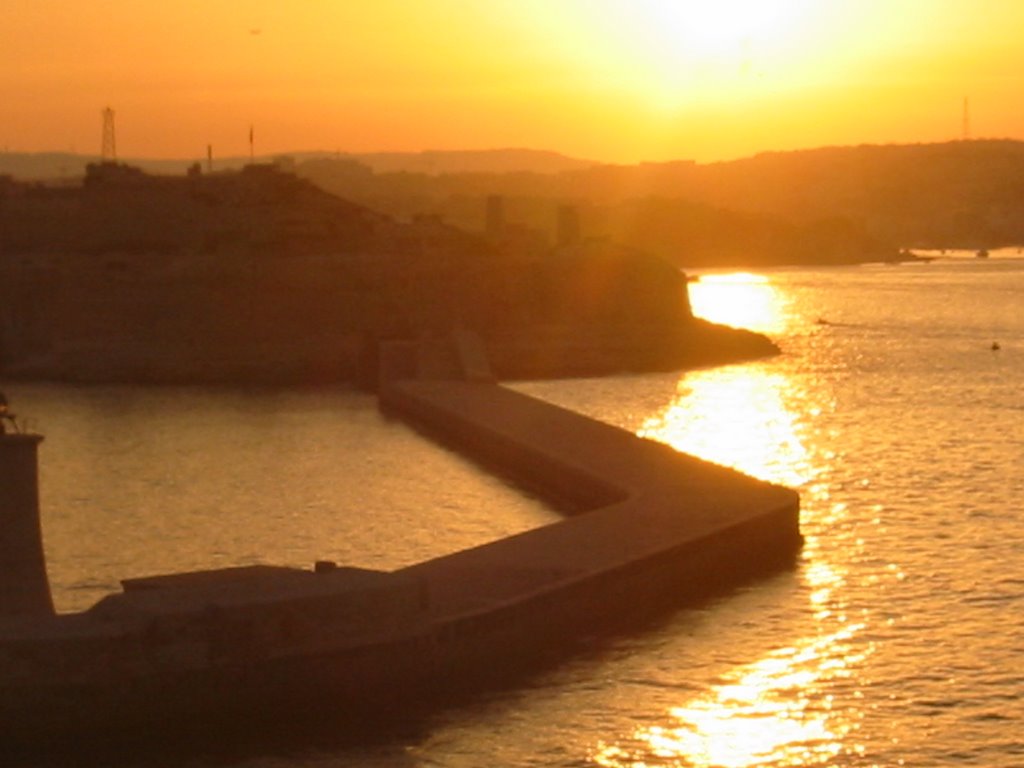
{"points": [[982, 253]]}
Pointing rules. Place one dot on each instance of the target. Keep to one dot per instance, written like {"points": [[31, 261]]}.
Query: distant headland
{"points": [[260, 276], [831, 205]]}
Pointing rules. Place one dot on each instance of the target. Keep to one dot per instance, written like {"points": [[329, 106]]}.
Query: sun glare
{"points": [[676, 52], [721, 28]]}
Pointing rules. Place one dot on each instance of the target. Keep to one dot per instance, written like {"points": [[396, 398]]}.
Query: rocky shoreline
{"points": [[350, 360]]}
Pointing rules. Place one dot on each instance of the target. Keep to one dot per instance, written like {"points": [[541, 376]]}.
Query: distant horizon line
{"points": [[245, 158]]}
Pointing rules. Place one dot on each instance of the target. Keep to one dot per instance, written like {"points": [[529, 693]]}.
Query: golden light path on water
{"points": [[759, 418]]}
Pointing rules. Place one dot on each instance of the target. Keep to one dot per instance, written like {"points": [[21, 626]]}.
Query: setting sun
{"points": [[720, 28], [684, 52]]}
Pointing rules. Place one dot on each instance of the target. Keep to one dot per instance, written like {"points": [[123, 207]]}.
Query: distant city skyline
{"points": [[607, 80]]}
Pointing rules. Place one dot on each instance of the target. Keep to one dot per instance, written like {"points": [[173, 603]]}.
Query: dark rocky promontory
{"points": [[257, 276]]}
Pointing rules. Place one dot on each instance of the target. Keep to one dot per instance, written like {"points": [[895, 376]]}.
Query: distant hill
{"points": [[825, 205], [44, 165], [51, 166], [436, 162], [959, 194], [57, 165]]}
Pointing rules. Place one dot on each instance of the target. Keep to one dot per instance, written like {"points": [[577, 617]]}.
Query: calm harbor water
{"points": [[897, 639]]}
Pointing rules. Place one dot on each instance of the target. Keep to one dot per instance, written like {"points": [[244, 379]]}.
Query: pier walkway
{"points": [[233, 651], [650, 512]]}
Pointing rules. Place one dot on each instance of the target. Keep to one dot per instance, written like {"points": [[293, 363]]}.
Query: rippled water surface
{"points": [[897, 640]]}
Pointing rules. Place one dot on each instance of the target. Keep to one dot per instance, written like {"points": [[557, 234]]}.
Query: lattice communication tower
{"points": [[108, 151]]}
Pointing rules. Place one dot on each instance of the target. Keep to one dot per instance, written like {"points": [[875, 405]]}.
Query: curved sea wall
{"points": [[653, 529], [180, 657], [257, 278]]}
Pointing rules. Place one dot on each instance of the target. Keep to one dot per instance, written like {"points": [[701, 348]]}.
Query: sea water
{"points": [[896, 409]]}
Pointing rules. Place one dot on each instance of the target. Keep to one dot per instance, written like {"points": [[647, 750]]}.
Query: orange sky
{"points": [[614, 80]]}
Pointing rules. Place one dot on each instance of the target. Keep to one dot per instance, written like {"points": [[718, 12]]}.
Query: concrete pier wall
{"points": [[658, 529], [246, 649]]}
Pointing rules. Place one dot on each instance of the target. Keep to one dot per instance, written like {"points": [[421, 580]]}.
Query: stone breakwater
{"points": [[654, 527], [258, 649]]}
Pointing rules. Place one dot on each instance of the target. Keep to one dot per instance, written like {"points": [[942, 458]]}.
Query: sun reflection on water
{"points": [[740, 299], [760, 418], [769, 712], [737, 416]]}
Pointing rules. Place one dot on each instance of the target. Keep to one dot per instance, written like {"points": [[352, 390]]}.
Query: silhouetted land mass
{"points": [[39, 166], [260, 276], [823, 206], [468, 161]]}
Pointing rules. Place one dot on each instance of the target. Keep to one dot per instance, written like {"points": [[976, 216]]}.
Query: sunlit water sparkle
{"points": [[895, 641]]}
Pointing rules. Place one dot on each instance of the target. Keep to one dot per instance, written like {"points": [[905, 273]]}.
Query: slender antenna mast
{"points": [[967, 120], [251, 155], [108, 148]]}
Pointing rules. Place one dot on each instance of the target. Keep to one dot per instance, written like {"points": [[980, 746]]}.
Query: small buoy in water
{"points": [[995, 346]]}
